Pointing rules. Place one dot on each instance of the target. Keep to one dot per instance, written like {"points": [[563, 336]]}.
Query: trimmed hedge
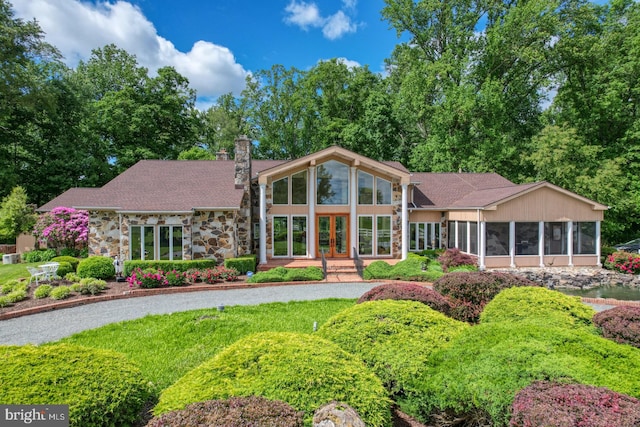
{"points": [[469, 292], [621, 324], [410, 292], [477, 377], [537, 304], [305, 371], [71, 260], [64, 268], [99, 267], [394, 338], [408, 269], [234, 412], [101, 387], [283, 274], [242, 264], [546, 403], [164, 265]]}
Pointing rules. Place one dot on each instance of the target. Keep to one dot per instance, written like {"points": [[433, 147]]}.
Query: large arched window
{"points": [[333, 183]]}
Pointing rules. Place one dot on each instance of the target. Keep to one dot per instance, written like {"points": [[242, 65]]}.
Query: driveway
{"points": [[54, 325]]}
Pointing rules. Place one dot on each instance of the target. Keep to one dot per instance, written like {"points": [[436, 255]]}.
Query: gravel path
{"points": [[57, 324]]}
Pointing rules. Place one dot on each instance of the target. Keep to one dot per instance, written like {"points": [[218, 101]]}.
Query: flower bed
{"points": [[150, 278]]}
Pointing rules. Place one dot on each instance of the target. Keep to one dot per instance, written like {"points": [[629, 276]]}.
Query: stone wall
{"points": [[575, 277], [214, 235], [104, 234], [242, 178]]}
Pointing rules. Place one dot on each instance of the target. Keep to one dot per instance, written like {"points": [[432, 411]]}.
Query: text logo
{"points": [[34, 415]]}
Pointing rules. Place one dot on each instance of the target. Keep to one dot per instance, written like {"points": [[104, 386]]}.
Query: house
{"points": [[333, 202]]}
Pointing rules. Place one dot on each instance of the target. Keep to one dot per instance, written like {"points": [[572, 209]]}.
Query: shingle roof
{"points": [[164, 186], [445, 190]]}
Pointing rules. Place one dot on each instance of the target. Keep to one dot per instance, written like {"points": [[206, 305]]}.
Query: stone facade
{"points": [[214, 235], [575, 277], [242, 178], [105, 234]]}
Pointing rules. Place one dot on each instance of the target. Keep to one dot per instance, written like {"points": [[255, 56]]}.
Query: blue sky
{"points": [[217, 43]]}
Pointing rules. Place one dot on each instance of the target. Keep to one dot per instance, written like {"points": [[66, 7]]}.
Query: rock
{"points": [[337, 414]]}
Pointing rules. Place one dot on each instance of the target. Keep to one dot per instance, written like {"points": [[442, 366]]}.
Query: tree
{"points": [[16, 215], [222, 123], [63, 228]]}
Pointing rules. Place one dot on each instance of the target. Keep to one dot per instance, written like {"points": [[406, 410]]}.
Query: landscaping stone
{"points": [[337, 414], [575, 277]]}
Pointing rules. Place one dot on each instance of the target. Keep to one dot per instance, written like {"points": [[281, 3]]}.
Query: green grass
{"points": [[16, 271], [168, 346]]}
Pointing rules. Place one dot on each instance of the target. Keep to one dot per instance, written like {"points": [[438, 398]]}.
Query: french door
{"points": [[333, 235]]}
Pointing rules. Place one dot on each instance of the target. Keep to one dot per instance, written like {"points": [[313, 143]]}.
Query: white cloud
{"points": [[76, 28], [306, 15]]}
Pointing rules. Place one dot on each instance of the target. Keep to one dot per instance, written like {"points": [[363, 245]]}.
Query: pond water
{"points": [[622, 293]]}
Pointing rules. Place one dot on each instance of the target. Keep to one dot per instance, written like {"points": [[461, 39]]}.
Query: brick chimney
{"points": [[222, 155], [243, 162]]}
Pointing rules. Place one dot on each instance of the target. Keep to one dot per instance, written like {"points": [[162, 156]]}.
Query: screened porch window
{"points": [[527, 238], [555, 238], [497, 238], [424, 235], [584, 238]]}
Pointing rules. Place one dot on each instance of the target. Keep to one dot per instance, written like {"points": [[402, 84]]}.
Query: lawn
{"points": [[165, 347], [16, 271]]}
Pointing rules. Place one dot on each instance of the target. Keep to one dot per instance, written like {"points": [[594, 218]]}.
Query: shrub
{"points": [[41, 255], [99, 267], [477, 376], [228, 274], [42, 291], [89, 286], [4, 301], [101, 387], [455, 258], [303, 370], [210, 276], [621, 324], [537, 304], [469, 292], [63, 227], [234, 412], [17, 295], [415, 267], [63, 269], [567, 405], [71, 260], [60, 292], [72, 277], [242, 264], [10, 286], [277, 274], [175, 278], [394, 338], [408, 291], [165, 265], [377, 270], [623, 262], [283, 274]]}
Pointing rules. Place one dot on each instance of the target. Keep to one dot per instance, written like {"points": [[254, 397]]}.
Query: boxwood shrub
{"points": [[165, 265], [415, 267], [101, 387], [394, 338], [545, 403], [39, 255], [475, 378], [469, 292], [283, 274], [99, 267], [233, 412], [242, 264], [42, 291], [71, 260], [538, 304], [408, 291], [303, 370], [621, 324], [64, 268], [60, 292]]}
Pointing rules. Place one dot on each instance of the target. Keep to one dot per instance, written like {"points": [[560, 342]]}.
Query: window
{"points": [[299, 235], [281, 191], [555, 238], [143, 245], [462, 236], [280, 236], [497, 238], [170, 242], [527, 238], [365, 188], [384, 235], [299, 188], [333, 183], [584, 238], [451, 234], [383, 192], [473, 238], [365, 235]]}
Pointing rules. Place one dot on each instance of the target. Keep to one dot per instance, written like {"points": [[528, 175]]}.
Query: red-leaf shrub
{"points": [[454, 258], [573, 405], [234, 412], [469, 292], [408, 291], [621, 324]]}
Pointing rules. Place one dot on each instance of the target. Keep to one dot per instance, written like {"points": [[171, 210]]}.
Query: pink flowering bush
{"points": [[63, 228], [152, 278], [148, 278], [623, 262], [175, 278]]}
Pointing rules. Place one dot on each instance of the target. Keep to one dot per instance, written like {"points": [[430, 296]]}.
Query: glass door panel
{"points": [[333, 235], [324, 235], [340, 239]]}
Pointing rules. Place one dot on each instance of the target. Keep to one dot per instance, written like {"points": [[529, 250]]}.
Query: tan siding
{"points": [[464, 216], [585, 260], [425, 216], [544, 204]]}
